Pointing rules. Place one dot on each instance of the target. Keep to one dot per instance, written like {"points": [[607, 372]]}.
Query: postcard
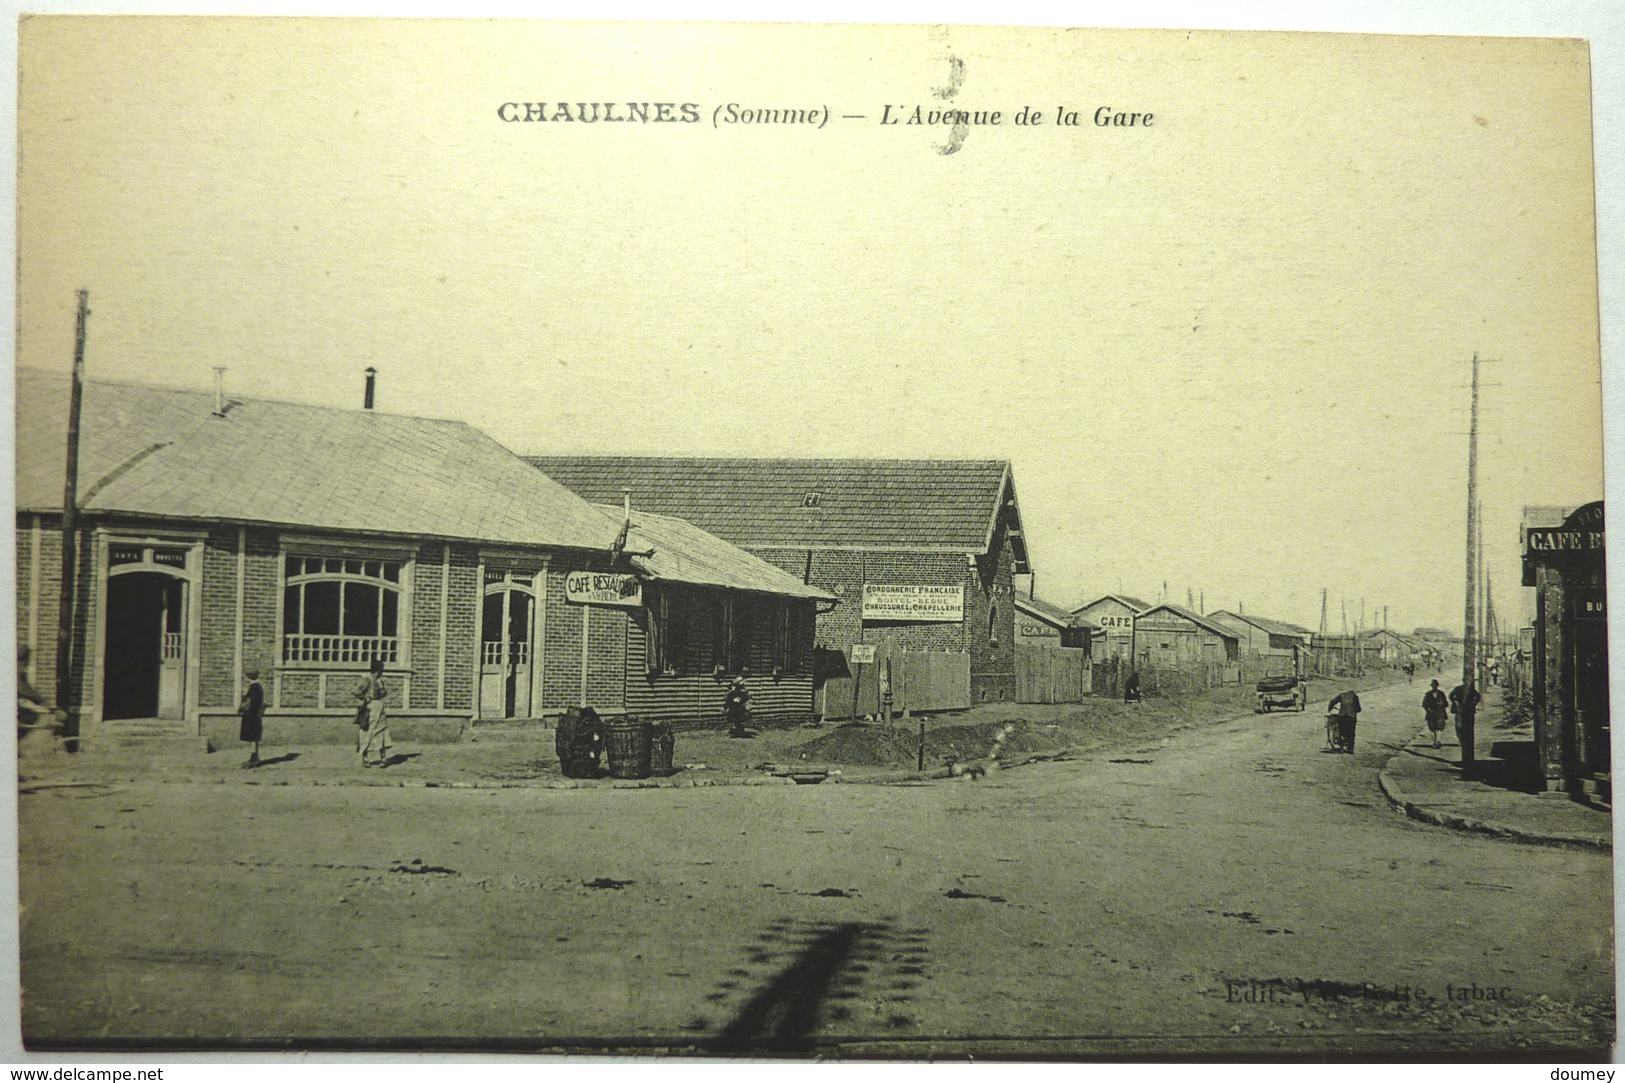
{"points": [[808, 540]]}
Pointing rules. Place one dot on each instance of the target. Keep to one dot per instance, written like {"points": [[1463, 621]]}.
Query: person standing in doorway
{"points": [[1435, 704], [252, 712], [737, 706], [372, 693]]}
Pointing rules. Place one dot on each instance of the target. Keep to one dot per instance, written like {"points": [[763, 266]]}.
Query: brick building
{"points": [[921, 554], [218, 536]]}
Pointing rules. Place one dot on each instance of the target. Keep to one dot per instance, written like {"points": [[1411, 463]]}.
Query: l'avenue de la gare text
{"points": [[733, 113]]}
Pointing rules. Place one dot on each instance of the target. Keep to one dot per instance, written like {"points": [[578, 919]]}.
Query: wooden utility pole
{"points": [[70, 524], [1483, 604], [1469, 661]]}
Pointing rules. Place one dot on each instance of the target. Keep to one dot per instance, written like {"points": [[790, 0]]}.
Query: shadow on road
{"points": [[830, 966]]}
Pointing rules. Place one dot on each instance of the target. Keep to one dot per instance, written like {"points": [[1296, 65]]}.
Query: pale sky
{"points": [[1229, 352]]}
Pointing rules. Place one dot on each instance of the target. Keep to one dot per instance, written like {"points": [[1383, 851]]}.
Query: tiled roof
{"points": [[683, 553], [873, 504], [154, 451], [1195, 618], [1057, 616]]}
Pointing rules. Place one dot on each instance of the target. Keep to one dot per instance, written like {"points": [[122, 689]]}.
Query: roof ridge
{"points": [[534, 459], [239, 400]]}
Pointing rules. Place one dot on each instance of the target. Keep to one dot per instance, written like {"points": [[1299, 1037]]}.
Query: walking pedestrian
{"points": [[1131, 689], [1434, 705], [371, 693], [252, 712], [1457, 695], [1346, 708], [31, 706]]}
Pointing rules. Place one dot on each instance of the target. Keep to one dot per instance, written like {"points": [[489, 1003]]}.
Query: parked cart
{"points": [[1286, 693]]}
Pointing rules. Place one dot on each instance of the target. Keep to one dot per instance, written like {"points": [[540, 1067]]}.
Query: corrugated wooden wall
{"points": [[695, 699], [1051, 674]]}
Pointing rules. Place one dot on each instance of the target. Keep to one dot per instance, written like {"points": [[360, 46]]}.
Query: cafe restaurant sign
{"points": [[603, 588], [913, 603]]}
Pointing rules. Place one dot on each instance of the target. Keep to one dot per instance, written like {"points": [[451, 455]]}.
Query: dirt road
{"points": [[1226, 890]]}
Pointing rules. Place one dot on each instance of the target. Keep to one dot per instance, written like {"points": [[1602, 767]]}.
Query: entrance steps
{"points": [[509, 729], [159, 736]]}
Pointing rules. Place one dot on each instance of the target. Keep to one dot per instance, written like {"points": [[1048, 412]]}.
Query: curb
{"points": [[1397, 797], [42, 782]]}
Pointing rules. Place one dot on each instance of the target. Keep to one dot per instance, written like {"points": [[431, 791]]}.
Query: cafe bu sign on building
{"points": [[603, 588], [1581, 533]]}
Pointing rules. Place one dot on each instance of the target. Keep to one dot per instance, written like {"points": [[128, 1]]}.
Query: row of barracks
{"points": [[220, 536], [1147, 635]]}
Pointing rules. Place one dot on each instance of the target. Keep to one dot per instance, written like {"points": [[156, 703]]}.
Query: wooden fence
{"points": [[918, 680], [1109, 674], [1051, 674]]}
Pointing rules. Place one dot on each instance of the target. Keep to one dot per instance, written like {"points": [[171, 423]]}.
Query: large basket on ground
{"points": [[627, 740], [579, 741]]}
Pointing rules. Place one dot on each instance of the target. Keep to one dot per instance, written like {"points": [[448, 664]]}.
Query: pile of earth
{"points": [[863, 744], [1008, 739]]}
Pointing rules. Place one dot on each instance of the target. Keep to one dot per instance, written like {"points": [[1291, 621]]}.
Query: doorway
{"points": [[145, 660], [1590, 631], [506, 632]]}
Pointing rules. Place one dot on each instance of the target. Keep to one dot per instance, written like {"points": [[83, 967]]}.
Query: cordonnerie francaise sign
{"points": [[913, 602], [603, 588]]}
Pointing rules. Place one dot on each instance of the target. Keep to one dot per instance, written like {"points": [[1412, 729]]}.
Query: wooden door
{"points": [[507, 623], [1590, 668], [172, 652]]}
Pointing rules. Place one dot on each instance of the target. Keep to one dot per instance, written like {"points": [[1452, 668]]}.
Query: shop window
{"points": [[663, 641], [741, 626], [341, 609], [730, 623], [792, 637]]}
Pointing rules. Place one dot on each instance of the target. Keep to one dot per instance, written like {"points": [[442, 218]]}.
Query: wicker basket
{"points": [[627, 742]]}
